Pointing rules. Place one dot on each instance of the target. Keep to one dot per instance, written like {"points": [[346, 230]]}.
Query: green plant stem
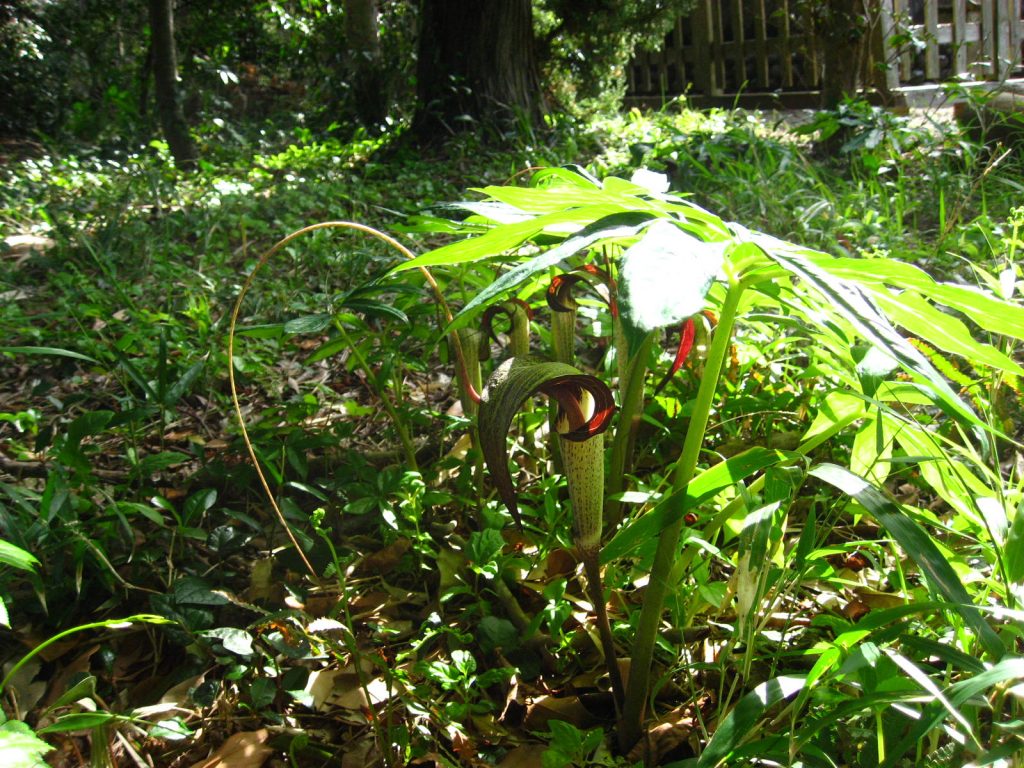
{"points": [[147, 618], [625, 435], [403, 434], [631, 723]]}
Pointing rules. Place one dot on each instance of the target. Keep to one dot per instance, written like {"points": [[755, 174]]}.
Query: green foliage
{"points": [[878, 620]]}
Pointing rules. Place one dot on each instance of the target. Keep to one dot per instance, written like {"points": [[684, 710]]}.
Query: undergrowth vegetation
{"points": [[770, 515]]}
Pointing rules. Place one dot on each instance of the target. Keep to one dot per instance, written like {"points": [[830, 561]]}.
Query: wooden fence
{"points": [[727, 47]]}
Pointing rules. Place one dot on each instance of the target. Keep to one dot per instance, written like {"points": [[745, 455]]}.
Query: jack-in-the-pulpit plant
{"points": [[657, 261], [640, 261]]}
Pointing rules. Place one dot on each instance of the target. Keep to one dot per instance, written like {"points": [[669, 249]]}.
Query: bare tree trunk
{"points": [[165, 71], [476, 67], [842, 29], [369, 81]]}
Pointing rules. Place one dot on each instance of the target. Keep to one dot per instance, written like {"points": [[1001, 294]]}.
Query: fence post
{"points": [[882, 57], [704, 63], [959, 37]]}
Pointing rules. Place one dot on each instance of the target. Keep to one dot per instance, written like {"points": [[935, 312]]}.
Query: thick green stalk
{"points": [[631, 406], [563, 336], [519, 333], [631, 724], [465, 344]]}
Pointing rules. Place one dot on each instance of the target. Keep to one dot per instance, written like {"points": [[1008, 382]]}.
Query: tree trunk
{"points": [[369, 82], [476, 67], [842, 32], [165, 72]]}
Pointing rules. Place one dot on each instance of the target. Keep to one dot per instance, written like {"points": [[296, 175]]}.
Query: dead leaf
{"points": [[384, 560], [671, 731], [543, 709], [246, 749], [524, 756]]}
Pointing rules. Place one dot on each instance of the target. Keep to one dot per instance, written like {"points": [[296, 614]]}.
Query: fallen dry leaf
{"points": [[245, 749], [524, 756]]}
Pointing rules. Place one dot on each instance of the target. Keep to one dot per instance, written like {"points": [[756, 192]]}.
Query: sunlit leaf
{"points": [[702, 488], [918, 545], [736, 727], [616, 226], [664, 277]]}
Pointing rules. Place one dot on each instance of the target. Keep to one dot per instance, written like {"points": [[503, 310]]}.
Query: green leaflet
{"points": [[703, 487], [508, 236], [854, 303], [921, 318], [56, 351], [958, 694], [989, 312], [918, 545], [739, 723], [615, 226], [16, 557]]}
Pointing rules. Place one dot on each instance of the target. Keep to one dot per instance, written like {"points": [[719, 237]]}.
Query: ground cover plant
{"points": [[769, 515]]}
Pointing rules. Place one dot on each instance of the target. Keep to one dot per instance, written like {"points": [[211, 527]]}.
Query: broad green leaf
{"points": [[16, 557], [839, 409], [952, 480], [616, 226], [192, 590], [180, 387], [81, 721], [916, 674], [234, 640], [872, 449], [55, 351], [854, 303], [20, 747], [91, 423], [960, 694], [329, 348], [988, 311], [942, 330], [736, 727], [665, 276], [83, 689], [506, 237], [702, 488], [265, 331], [308, 324], [371, 307], [919, 547], [1013, 553]]}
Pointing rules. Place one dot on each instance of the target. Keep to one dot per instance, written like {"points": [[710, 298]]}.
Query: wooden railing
{"points": [[764, 46]]}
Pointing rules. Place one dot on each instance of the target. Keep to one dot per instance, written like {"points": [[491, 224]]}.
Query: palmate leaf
{"points": [[615, 226], [854, 303], [989, 312], [508, 236], [919, 547]]}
